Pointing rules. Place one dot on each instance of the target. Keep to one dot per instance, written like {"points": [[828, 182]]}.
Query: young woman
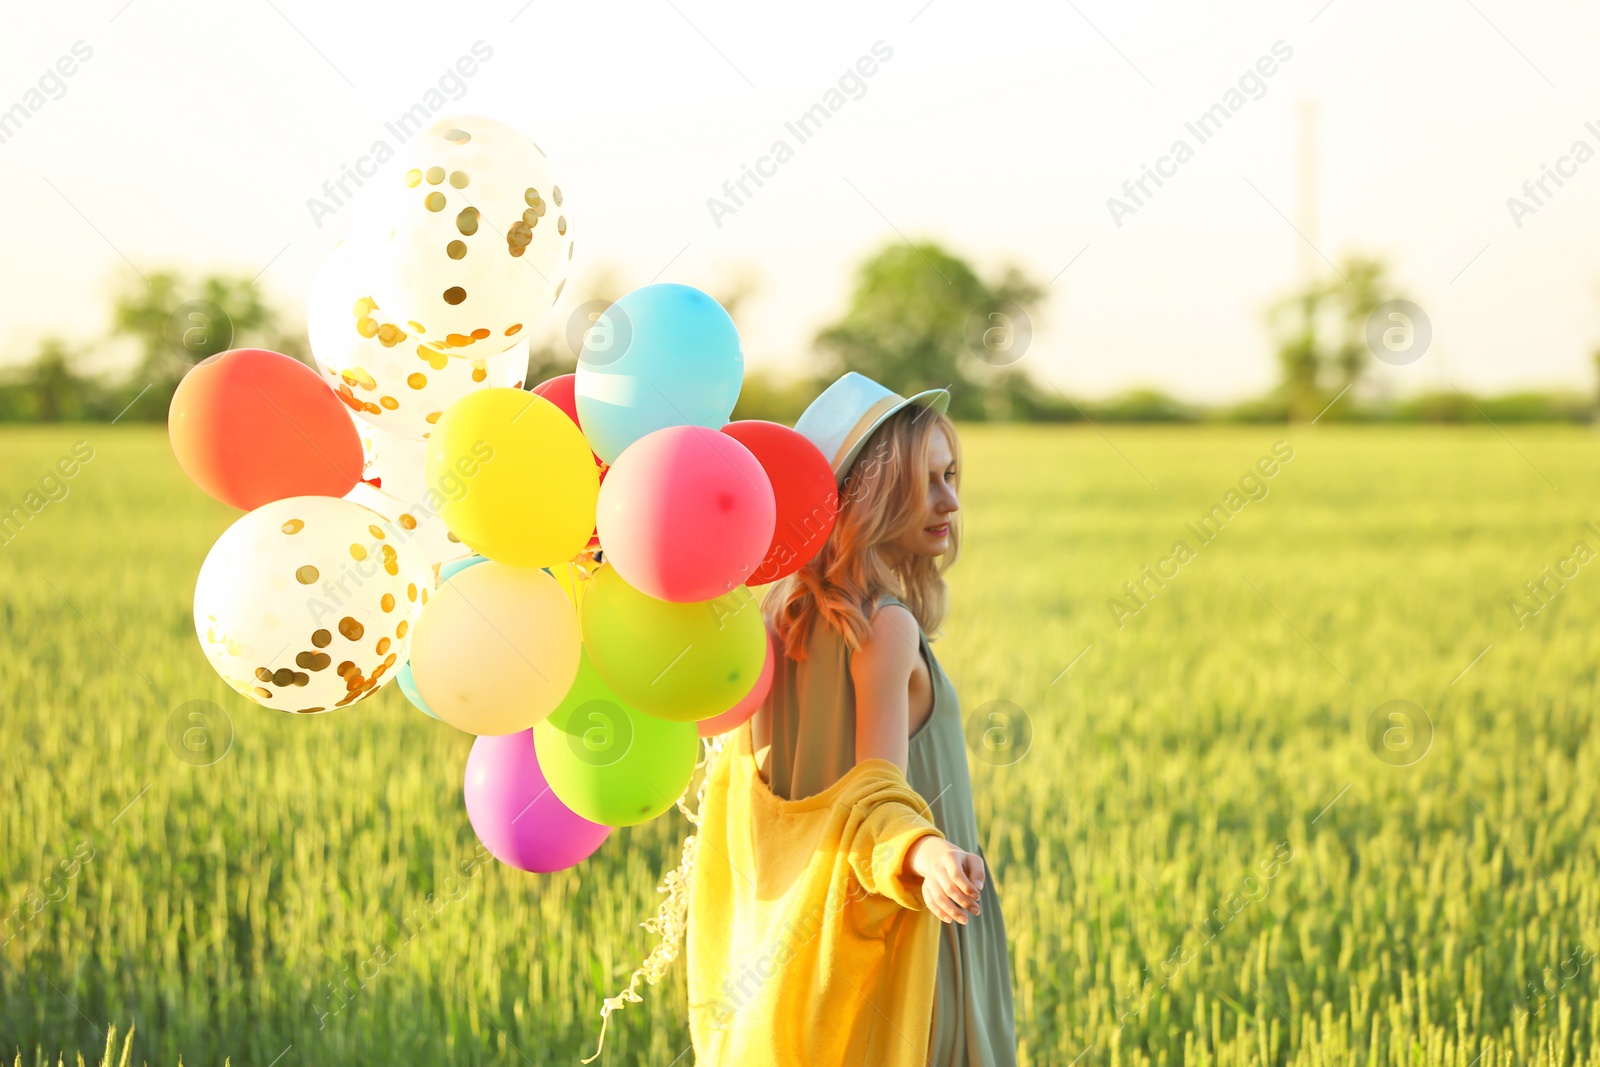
{"points": [[841, 911]]}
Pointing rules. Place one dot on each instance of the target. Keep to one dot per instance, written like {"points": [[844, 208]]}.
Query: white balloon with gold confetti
{"points": [[465, 238], [307, 604], [383, 373], [394, 484], [397, 465], [418, 523]]}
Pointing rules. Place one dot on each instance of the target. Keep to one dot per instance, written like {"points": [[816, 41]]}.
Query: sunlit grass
{"points": [[229, 910]]}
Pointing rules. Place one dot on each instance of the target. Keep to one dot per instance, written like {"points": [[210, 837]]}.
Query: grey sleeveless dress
{"points": [[812, 711]]}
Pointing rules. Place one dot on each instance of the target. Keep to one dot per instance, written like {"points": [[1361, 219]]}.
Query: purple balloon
{"points": [[515, 813]]}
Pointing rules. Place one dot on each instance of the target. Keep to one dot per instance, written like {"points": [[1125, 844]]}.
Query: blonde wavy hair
{"points": [[884, 496]]}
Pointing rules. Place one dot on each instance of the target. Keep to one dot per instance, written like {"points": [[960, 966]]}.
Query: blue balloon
{"points": [[449, 570], [665, 355], [408, 684]]}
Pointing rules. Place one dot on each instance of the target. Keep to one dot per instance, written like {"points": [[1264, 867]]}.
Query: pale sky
{"points": [[194, 134]]}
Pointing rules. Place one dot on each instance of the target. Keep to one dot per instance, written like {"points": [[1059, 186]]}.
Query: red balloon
{"points": [[559, 391], [594, 538], [805, 490], [252, 426]]}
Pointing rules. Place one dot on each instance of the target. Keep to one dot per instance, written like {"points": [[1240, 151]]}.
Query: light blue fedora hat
{"points": [[843, 416]]}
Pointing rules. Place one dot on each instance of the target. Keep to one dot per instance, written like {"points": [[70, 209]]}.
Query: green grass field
{"points": [[1441, 910]]}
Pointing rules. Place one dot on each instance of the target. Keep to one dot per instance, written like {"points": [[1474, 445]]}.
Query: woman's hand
{"points": [[951, 878]]}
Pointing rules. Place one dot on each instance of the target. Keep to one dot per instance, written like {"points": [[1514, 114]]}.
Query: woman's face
{"points": [[931, 536]]}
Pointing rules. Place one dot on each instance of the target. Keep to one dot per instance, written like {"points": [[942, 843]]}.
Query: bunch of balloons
{"points": [[565, 572]]}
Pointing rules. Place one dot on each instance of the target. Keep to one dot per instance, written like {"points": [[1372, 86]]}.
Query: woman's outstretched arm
{"points": [[881, 672]]}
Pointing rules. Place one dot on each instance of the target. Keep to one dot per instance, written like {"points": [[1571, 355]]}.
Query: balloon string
{"points": [[671, 919]]}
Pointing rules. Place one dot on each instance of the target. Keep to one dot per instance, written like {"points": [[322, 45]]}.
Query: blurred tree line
{"points": [[918, 316], [173, 323]]}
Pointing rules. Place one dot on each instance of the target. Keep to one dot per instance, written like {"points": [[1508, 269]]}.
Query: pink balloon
{"points": [[686, 514], [516, 815], [741, 712]]}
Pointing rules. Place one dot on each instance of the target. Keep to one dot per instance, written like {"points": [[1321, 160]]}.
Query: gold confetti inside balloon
{"points": [[423, 527], [394, 484], [465, 237], [383, 373], [307, 604]]}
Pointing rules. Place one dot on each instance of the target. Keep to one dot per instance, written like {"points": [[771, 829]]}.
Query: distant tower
{"points": [[1307, 207]]}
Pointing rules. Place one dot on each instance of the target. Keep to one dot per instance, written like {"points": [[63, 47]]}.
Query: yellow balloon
{"points": [[496, 649], [682, 662], [513, 477]]}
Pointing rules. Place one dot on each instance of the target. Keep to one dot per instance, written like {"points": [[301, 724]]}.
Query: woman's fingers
{"points": [[966, 879], [960, 884], [952, 889], [975, 872], [952, 902], [938, 901]]}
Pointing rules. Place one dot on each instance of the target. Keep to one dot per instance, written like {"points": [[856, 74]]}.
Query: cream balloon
{"points": [[307, 604], [465, 237], [381, 372], [497, 650]]}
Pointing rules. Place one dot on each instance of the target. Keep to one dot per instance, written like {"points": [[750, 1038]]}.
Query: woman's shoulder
{"points": [[885, 614], [886, 599], [892, 636], [887, 610]]}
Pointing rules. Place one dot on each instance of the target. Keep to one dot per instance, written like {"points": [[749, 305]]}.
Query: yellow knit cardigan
{"points": [[806, 944]]}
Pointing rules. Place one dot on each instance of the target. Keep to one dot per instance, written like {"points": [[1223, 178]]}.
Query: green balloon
{"points": [[606, 761], [681, 662]]}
